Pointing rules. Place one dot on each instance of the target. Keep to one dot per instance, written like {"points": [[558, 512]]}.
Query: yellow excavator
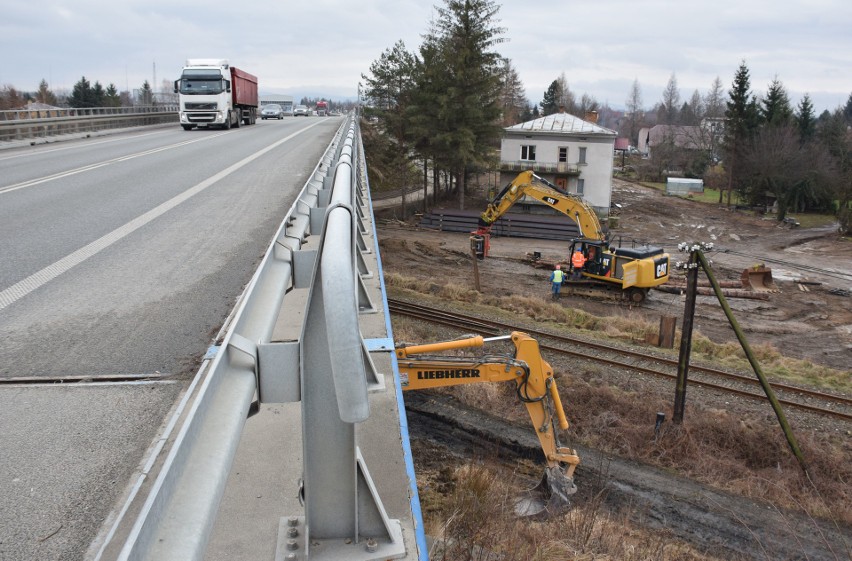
{"points": [[634, 269], [421, 368]]}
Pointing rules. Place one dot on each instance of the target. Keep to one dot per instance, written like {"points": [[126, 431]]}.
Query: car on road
{"points": [[272, 111], [301, 111]]}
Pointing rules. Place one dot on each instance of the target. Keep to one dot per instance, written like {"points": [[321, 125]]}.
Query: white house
{"points": [[573, 153]]}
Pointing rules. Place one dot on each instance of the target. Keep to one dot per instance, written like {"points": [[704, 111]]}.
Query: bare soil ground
{"points": [[815, 325]]}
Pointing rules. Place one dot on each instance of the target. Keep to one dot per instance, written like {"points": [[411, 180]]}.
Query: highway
{"points": [[120, 255]]}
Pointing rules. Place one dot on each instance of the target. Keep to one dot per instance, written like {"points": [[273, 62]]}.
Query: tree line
{"points": [[442, 108], [84, 94]]}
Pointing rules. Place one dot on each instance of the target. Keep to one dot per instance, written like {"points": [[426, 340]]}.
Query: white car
{"points": [[301, 111]]}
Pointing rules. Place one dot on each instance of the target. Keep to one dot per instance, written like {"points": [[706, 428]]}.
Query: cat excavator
{"points": [[634, 269], [420, 367]]}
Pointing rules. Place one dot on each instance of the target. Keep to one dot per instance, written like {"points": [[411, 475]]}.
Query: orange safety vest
{"points": [[578, 260]]}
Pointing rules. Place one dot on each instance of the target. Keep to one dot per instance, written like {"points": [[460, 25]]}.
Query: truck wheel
{"points": [[227, 125], [239, 120], [187, 127]]}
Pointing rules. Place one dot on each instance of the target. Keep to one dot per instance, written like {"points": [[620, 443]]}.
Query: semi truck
{"points": [[215, 94], [322, 108]]}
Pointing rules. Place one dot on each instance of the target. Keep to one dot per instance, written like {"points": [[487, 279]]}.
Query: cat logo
{"points": [[550, 200]]}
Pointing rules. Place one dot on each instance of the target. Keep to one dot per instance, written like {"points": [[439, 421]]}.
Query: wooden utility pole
{"points": [[686, 336], [696, 260]]}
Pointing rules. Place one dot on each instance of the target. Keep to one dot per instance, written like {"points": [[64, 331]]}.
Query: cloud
{"points": [[602, 46]]}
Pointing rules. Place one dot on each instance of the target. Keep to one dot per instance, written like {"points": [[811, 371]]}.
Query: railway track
{"points": [[820, 403]]}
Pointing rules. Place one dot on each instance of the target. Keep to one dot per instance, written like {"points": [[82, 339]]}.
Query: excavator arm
{"points": [[529, 184], [536, 388]]}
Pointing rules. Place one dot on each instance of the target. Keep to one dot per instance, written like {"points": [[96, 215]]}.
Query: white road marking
{"points": [[42, 277], [90, 167], [73, 146]]}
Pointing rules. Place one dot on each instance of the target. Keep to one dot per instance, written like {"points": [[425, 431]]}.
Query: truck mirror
{"points": [[228, 86], [176, 85]]}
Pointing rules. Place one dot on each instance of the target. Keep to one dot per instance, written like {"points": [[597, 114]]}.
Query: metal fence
{"points": [[42, 123]]}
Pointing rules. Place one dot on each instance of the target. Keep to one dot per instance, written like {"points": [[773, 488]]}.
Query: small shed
{"points": [[682, 186]]}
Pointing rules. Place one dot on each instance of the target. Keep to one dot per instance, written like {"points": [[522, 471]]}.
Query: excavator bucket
{"points": [[759, 279], [549, 497]]}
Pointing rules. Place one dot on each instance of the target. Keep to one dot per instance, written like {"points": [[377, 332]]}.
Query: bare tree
{"points": [[779, 164], [513, 99], [634, 112], [566, 96], [714, 101], [695, 110], [671, 102]]}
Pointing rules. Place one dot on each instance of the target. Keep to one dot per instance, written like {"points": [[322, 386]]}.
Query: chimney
{"points": [[591, 116]]}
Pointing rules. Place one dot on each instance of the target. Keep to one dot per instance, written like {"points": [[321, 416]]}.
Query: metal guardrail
{"points": [[43, 123], [315, 362]]}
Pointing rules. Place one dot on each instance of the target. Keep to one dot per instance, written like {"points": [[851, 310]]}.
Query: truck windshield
{"points": [[201, 81], [190, 86]]}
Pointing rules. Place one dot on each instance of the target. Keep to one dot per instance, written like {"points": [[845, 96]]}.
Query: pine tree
{"points": [[81, 94], [550, 101], [806, 120], [847, 110], [112, 97], [389, 89], [741, 115], [470, 108], [44, 95], [775, 109]]}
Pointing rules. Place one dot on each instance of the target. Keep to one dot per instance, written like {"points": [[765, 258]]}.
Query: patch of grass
{"points": [[476, 521]]}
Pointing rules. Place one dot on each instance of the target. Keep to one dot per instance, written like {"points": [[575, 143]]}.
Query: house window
{"points": [[563, 154], [582, 159], [581, 186], [528, 153]]}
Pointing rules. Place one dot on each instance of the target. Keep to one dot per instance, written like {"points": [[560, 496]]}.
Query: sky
{"points": [[322, 47]]}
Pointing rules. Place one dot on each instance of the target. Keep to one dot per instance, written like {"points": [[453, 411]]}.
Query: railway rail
{"points": [[813, 401]]}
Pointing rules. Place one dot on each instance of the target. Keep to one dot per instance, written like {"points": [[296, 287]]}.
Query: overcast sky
{"points": [[321, 47]]}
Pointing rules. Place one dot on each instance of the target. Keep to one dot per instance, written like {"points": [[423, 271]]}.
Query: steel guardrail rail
{"points": [[42, 123], [178, 515]]}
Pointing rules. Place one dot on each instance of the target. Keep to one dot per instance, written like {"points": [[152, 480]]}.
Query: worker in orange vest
{"points": [[577, 262]]}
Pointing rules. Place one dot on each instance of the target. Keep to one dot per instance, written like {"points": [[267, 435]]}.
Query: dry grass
{"points": [[744, 454], [620, 328], [474, 519]]}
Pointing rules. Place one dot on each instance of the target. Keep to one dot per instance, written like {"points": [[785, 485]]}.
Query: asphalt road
{"points": [[121, 255]]}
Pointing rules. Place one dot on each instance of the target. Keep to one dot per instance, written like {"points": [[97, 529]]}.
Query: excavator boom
{"points": [[529, 184], [535, 387]]}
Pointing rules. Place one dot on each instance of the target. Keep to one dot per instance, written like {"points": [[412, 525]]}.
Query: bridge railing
{"points": [[43, 123], [295, 336]]}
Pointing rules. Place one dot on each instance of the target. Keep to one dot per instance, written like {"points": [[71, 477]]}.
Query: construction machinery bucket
{"points": [[759, 279], [549, 497]]}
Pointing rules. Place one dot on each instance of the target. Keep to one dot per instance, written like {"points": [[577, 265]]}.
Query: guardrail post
{"points": [[344, 517]]}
